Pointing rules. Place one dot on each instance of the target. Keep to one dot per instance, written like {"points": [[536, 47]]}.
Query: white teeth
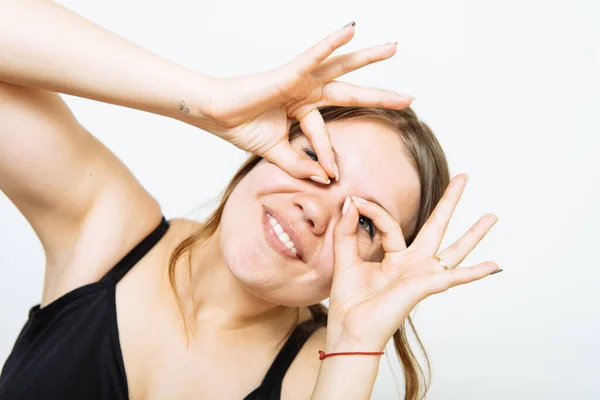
{"points": [[283, 237]]}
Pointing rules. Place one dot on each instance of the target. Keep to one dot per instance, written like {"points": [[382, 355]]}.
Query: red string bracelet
{"points": [[323, 356]]}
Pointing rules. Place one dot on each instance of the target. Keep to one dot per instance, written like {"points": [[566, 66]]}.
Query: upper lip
{"points": [[288, 227]]}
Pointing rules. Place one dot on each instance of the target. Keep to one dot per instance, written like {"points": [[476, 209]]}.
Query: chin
{"points": [[262, 276]]}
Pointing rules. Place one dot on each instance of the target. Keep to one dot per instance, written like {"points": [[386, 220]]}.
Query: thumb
{"points": [[289, 160], [346, 243]]}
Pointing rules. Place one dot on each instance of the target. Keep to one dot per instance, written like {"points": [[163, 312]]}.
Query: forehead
{"points": [[373, 163]]}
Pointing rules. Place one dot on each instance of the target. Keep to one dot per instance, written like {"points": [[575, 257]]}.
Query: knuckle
{"points": [[370, 59], [344, 69], [473, 231], [455, 247]]}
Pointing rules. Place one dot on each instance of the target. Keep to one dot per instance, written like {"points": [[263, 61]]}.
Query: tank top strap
{"points": [[289, 351], [130, 259]]}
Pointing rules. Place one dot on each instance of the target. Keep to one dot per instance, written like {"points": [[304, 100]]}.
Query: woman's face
{"points": [[372, 165]]}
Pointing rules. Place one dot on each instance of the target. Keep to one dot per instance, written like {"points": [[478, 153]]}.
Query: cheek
{"points": [[239, 232], [246, 264], [249, 258], [247, 255]]}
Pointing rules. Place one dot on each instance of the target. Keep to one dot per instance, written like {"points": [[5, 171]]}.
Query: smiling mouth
{"points": [[276, 241], [281, 234]]}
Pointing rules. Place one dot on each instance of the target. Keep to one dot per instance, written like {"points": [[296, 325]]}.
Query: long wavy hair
{"points": [[428, 159]]}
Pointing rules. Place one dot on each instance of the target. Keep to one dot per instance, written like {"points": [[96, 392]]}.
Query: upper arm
{"points": [[299, 382], [69, 186]]}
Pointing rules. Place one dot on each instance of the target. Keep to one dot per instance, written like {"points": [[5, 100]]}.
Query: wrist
{"points": [[347, 343], [192, 105], [346, 376]]}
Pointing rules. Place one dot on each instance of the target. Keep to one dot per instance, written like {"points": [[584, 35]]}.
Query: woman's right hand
{"points": [[254, 112]]}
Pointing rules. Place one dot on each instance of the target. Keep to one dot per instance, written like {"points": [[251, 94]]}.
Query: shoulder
{"points": [[299, 381]]}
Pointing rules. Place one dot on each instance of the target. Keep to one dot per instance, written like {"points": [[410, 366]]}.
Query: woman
{"points": [[137, 307]]}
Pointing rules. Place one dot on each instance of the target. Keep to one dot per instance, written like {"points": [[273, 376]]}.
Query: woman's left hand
{"points": [[370, 300]]}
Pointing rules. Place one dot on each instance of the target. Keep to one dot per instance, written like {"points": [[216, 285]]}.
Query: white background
{"points": [[511, 90]]}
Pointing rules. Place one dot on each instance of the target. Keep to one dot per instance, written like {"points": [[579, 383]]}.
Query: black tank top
{"points": [[70, 349]]}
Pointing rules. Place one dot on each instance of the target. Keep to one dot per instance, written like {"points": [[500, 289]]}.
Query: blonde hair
{"points": [[428, 159]]}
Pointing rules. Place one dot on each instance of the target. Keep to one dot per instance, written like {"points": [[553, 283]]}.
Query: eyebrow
{"points": [[367, 197]]}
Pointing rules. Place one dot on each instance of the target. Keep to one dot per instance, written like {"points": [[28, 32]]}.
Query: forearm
{"points": [[346, 377], [44, 45]]}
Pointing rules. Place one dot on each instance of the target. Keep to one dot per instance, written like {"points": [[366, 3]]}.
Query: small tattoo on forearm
{"points": [[183, 108]]}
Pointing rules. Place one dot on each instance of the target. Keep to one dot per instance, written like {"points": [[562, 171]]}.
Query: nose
{"points": [[318, 208]]}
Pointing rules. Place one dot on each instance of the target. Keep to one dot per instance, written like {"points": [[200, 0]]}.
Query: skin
{"points": [[236, 315], [95, 211], [245, 294], [372, 162]]}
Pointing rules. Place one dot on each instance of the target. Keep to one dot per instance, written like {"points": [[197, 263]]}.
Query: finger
{"points": [[314, 128], [337, 93], [444, 280], [392, 239], [310, 59], [345, 63], [346, 242], [456, 253], [289, 160], [430, 236]]}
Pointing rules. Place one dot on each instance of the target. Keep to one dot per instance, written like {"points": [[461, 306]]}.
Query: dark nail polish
{"points": [[495, 272], [349, 24]]}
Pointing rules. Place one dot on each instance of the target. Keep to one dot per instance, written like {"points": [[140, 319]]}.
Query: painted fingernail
{"points": [[394, 43], [495, 272], [320, 180], [336, 171], [358, 200], [349, 24], [346, 205]]}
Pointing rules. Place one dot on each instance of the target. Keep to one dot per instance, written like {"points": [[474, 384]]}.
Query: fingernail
{"points": [[495, 272], [346, 205], [358, 200], [394, 43], [320, 180], [336, 171], [407, 96], [467, 178], [349, 24]]}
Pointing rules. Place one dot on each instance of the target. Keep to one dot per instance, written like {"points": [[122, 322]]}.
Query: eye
{"points": [[310, 153], [369, 224]]}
